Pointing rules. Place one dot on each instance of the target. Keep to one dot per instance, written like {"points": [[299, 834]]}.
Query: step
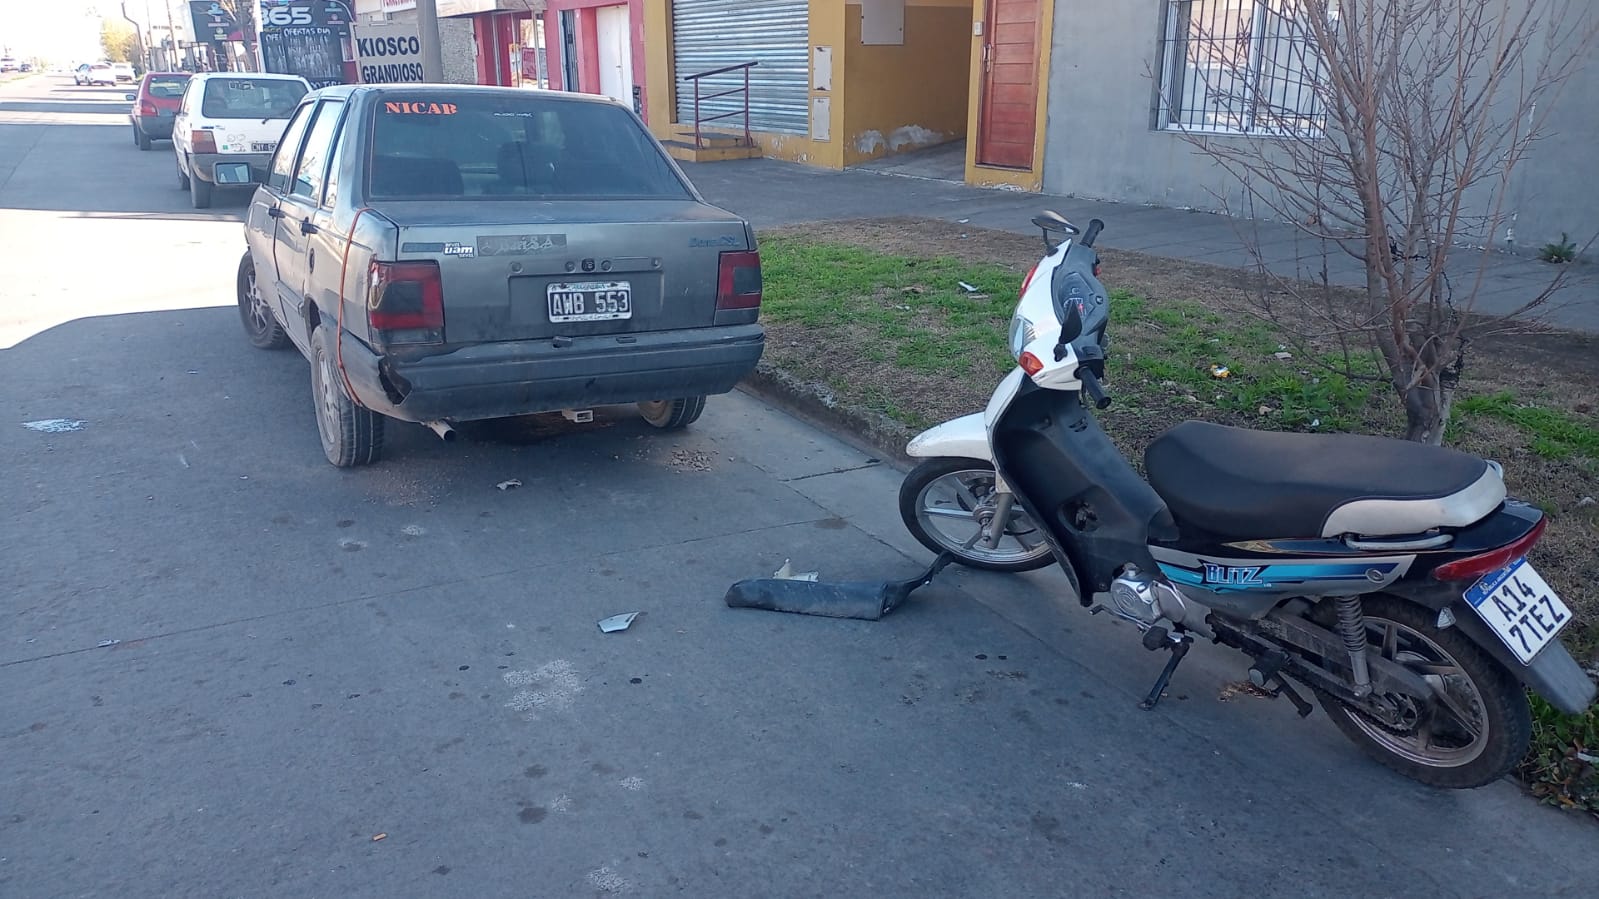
{"points": [[685, 151], [685, 133]]}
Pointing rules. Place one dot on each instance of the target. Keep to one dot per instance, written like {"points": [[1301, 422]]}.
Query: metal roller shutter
{"points": [[710, 34]]}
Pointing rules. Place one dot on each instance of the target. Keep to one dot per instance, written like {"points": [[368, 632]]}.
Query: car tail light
{"points": [[1027, 281], [146, 108], [405, 303], [203, 141], [1473, 567], [738, 281]]}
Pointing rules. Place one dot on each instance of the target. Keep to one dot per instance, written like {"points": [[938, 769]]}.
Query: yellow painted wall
{"points": [[901, 97], [985, 176], [877, 86]]}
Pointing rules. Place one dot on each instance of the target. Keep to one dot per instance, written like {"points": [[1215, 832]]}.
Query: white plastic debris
{"points": [[55, 425], [1283, 356], [786, 573], [617, 622], [966, 287], [1585, 502], [105, 643], [509, 483]]}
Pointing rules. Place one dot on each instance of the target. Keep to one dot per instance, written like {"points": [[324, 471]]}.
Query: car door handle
{"points": [[275, 212], [310, 260], [307, 228]]}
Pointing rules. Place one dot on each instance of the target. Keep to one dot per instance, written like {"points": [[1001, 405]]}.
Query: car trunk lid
{"points": [[546, 269]]}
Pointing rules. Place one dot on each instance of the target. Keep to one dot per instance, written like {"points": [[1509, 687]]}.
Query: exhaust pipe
{"points": [[443, 429]]}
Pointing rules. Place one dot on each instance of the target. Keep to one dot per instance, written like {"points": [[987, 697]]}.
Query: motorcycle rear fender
{"points": [[1552, 674]]}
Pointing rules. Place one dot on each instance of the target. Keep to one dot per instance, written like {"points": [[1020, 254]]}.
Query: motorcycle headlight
{"points": [[1022, 333]]}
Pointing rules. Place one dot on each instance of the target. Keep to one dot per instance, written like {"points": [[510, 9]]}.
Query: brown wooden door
{"points": [[1008, 117]]}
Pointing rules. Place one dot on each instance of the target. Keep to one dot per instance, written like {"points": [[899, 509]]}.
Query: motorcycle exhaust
{"points": [[867, 600]]}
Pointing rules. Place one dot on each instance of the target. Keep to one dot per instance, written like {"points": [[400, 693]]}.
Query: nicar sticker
{"points": [[420, 108]]}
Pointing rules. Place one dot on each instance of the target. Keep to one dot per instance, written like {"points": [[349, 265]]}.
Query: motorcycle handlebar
{"points": [[1094, 227], [1093, 388]]}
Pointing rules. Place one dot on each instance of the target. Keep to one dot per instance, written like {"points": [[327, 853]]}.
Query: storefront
{"points": [[508, 37], [599, 49]]}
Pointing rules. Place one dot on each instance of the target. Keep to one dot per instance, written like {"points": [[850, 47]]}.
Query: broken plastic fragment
{"points": [[966, 287], [509, 483], [381, 836], [617, 622], [1220, 371], [55, 425], [786, 573], [104, 643]]}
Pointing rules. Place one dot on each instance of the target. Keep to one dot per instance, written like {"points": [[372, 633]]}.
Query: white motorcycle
{"points": [[1387, 576]]}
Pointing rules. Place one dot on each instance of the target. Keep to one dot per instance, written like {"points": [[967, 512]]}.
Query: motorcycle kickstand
{"points": [[1179, 649], [1267, 671]]}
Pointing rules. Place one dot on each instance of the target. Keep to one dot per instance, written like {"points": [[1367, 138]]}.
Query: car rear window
{"points": [[167, 88], [513, 147], [250, 98]]}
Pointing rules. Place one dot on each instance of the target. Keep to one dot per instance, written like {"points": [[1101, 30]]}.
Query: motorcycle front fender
{"points": [[964, 438]]}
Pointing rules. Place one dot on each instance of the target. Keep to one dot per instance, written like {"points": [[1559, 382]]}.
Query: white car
{"points": [[229, 117], [122, 71]]}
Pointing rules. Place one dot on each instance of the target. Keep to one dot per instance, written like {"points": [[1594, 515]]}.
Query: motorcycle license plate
{"points": [[1520, 608]]}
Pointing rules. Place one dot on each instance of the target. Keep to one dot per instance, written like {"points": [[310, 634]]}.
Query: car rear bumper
{"points": [[497, 380], [202, 164], [159, 128]]}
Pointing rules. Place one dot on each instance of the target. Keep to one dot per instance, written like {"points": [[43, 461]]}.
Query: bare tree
{"points": [[1389, 129]]}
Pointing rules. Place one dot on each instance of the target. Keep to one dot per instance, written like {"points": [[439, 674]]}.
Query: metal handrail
{"points": [[699, 135]]}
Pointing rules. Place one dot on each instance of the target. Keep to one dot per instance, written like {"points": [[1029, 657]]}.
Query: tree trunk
{"points": [[1427, 407]]}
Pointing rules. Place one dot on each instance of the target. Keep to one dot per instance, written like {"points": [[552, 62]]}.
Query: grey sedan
{"points": [[444, 254]]}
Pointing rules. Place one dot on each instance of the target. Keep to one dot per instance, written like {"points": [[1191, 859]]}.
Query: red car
{"points": [[157, 101]]}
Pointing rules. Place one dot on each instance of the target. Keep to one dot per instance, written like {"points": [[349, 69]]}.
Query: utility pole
{"points": [[427, 19], [172, 34]]}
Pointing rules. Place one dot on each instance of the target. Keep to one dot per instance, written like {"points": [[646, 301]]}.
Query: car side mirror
{"points": [[131, 97]]}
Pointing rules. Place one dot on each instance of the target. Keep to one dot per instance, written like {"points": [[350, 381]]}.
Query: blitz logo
{"points": [[285, 16], [1227, 576]]}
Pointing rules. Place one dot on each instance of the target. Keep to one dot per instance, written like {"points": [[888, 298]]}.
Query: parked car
{"points": [[123, 71], [25, 67], [227, 117], [443, 254], [155, 105], [98, 73], [8, 64]]}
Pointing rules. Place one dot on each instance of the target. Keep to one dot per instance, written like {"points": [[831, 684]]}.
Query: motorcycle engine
{"points": [[1146, 602]]}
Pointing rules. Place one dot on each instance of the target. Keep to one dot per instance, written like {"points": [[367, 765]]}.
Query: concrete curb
{"points": [[817, 405]]}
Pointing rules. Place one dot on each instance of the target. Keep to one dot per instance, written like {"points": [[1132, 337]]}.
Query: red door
{"points": [[1008, 116]]}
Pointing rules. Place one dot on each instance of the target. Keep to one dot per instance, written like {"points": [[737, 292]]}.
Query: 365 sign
{"points": [[389, 53], [287, 16]]}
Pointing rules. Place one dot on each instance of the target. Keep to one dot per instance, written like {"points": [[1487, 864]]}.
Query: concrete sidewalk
{"points": [[771, 193]]}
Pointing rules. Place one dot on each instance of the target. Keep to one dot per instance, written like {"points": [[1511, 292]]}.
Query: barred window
{"points": [[1240, 67]]}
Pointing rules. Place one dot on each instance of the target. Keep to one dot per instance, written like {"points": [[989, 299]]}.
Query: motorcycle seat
{"points": [[1240, 484]]}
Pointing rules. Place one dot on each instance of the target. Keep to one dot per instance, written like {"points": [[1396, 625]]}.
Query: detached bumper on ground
{"points": [[497, 380]]}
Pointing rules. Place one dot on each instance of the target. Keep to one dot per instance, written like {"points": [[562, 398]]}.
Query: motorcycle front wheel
{"points": [[1474, 730], [945, 504]]}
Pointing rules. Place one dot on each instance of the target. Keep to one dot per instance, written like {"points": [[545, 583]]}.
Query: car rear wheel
{"points": [[140, 139], [199, 193], [260, 323], [351, 435], [183, 177], [670, 415]]}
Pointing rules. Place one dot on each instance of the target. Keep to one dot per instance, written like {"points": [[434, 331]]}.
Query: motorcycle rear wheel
{"points": [[1440, 748], [940, 502]]}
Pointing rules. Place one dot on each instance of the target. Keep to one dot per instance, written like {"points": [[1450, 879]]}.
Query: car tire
{"points": [[255, 313], [199, 193], [671, 415], [141, 139], [351, 435], [183, 177]]}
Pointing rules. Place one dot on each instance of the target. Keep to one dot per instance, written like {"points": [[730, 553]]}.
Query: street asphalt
{"points": [[229, 669]]}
